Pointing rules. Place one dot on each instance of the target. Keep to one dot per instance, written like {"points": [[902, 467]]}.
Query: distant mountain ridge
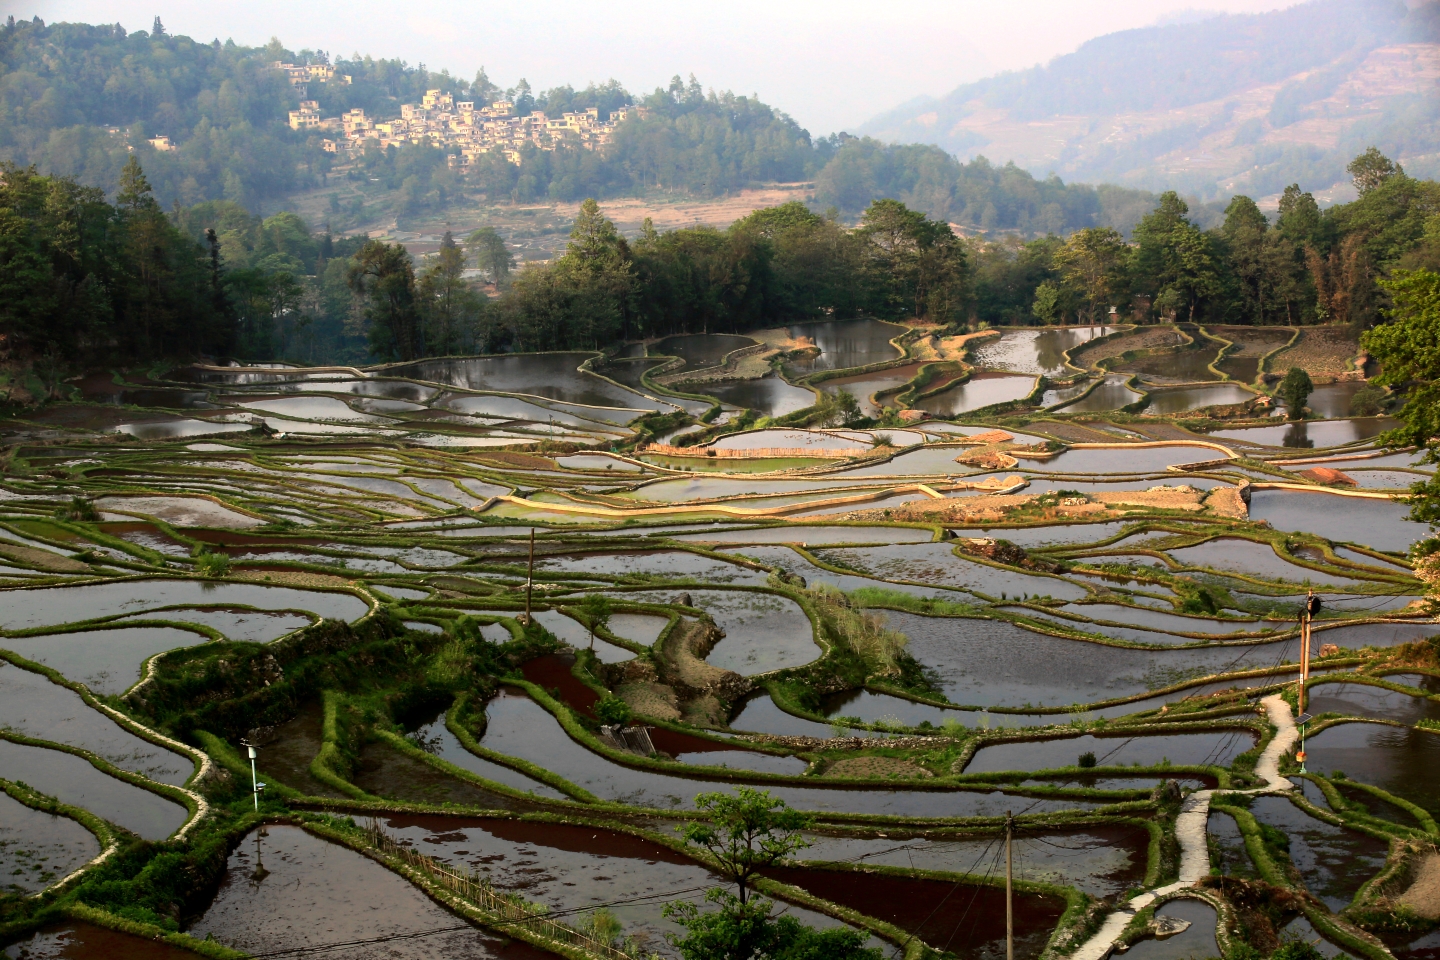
{"points": [[1233, 103]]}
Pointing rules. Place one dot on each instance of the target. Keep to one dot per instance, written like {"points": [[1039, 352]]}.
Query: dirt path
{"points": [[1190, 827], [1424, 894]]}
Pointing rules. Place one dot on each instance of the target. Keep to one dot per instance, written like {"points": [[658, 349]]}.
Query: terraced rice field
{"points": [[488, 652]]}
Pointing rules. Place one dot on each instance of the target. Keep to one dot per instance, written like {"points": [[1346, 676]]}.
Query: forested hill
{"points": [[77, 100], [1235, 103]]}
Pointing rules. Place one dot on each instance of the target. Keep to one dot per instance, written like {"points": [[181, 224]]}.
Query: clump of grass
{"points": [[865, 634], [451, 665], [210, 564]]}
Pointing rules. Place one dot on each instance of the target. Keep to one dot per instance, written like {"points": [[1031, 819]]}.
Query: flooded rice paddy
{"points": [[38, 848], [904, 666]]}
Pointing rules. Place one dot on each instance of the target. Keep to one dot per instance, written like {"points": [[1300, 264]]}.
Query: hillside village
{"points": [[439, 120]]}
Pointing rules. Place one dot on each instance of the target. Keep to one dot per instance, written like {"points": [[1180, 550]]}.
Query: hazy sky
{"points": [[831, 64]]}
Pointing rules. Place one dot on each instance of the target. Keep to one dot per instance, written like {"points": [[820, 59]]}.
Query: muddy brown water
{"points": [[1333, 862], [552, 673], [571, 869], [1243, 369], [1184, 365], [38, 848], [315, 895], [73, 780], [966, 919], [84, 941]]}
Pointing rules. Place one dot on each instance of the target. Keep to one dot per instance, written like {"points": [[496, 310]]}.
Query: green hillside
{"points": [[79, 99]]}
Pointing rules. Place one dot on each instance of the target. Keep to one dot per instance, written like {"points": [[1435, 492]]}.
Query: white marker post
{"points": [[254, 780]]}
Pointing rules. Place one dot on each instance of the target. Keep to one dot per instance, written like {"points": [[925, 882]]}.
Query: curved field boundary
{"points": [[1263, 367], [1143, 444], [1363, 455], [186, 495], [761, 512], [1311, 488]]}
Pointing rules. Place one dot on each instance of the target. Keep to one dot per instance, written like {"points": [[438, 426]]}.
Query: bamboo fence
{"points": [[500, 909]]}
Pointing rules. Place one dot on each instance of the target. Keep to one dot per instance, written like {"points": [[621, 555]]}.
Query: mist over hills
{"points": [[1228, 104]]}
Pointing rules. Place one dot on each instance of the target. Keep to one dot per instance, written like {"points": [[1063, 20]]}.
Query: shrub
{"points": [[1368, 401], [1294, 390], [209, 564], [1297, 950], [78, 509], [613, 711], [1087, 759]]}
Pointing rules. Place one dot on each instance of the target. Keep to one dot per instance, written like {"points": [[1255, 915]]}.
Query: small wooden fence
{"points": [[502, 909], [845, 453]]}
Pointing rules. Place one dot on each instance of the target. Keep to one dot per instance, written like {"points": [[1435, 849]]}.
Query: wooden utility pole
{"points": [[1312, 606], [1304, 652], [530, 576], [1009, 888]]}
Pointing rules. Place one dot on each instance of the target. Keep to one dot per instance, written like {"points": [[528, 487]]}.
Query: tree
{"points": [[745, 832], [1173, 261], [1340, 279], [1299, 219], [1407, 346], [744, 931], [597, 277], [1294, 390], [1048, 307], [1371, 169], [450, 309], [919, 263], [383, 274], [1246, 236], [1369, 401], [595, 608], [491, 254], [1093, 261]]}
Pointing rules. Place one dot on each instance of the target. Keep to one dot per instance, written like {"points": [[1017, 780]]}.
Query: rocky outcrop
{"points": [[681, 664]]}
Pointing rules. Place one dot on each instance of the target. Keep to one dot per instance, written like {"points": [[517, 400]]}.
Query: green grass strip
{"points": [[330, 760]]}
